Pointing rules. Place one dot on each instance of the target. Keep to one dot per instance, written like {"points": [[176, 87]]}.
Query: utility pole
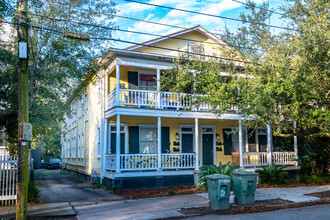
{"points": [[23, 110]]}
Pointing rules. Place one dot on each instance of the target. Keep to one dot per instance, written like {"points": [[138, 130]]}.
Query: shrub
{"points": [[303, 178], [273, 174], [225, 169], [320, 179], [170, 192]]}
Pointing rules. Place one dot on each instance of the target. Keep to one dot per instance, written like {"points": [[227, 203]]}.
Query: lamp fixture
{"points": [[217, 136], [177, 136]]}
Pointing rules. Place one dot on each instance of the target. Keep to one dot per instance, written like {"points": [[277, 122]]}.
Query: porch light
{"points": [[177, 136], [218, 136]]}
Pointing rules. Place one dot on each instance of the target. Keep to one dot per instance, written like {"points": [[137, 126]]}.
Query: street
{"points": [[318, 212], [56, 187]]}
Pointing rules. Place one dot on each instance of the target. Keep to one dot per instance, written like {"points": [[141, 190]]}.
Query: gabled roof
{"points": [[197, 29]]}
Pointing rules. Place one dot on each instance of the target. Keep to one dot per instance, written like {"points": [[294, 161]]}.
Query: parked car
{"points": [[54, 163]]}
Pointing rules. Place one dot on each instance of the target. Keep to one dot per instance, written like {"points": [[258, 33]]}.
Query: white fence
{"points": [[8, 179]]}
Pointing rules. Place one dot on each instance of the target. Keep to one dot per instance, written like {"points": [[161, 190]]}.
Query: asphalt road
{"points": [[318, 212], [55, 186]]}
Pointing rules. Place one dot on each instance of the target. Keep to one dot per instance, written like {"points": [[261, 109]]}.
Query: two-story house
{"points": [[134, 135]]}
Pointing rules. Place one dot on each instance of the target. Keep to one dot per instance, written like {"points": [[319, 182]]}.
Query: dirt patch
{"points": [[167, 191], [260, 206], [321, 195]]}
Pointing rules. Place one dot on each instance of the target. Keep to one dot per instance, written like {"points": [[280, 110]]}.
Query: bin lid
{"points": [[217, 176], [244, 173]]}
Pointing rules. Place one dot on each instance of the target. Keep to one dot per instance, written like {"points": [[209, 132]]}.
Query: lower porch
{"points": [[155, 146]]}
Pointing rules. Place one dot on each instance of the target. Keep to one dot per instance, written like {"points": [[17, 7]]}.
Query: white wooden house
{"points": [[134, 135]]}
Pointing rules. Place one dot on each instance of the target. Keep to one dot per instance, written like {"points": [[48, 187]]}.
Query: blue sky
{"points": [[228, 8]]}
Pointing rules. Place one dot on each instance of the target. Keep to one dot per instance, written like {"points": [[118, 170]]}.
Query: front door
{"points": [[207, 141], [187, 143]]}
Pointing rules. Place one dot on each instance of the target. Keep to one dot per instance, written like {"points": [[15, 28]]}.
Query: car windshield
{"points": [[54, 160]]}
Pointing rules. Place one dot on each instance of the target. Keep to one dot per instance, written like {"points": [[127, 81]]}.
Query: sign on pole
{"points": [[27, 131]]}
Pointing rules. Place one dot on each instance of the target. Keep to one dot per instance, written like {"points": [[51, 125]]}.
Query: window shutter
{"points": [[228, 144], [133, 81], [113, 143], [165, 139], [133, 139]]}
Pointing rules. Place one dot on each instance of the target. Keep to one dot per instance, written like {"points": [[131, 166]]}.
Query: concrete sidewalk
{"points": [[154, 208], [63, 209]]}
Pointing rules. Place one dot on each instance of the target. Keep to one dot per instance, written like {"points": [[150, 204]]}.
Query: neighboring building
{"points": [[3, 143], [133, 135]]}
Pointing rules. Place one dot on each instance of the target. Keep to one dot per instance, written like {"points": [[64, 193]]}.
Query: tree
{"points": [[57, 63], [283, 77]]}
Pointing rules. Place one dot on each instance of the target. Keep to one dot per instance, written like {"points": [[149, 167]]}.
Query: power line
{"points": [[134, 19], [144, 33], [130, 42], [210, 15]]}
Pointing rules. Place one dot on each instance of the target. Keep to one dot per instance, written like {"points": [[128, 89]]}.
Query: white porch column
{"points": [[106, 90], [158, 88], [269, 144], [295, 139], [159, 136], [196, 144], [118, 145], [117, 83], [104, 147], [240, 142]]}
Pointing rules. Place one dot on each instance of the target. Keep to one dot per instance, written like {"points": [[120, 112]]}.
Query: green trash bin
{"points": [[218, 191], [244, 187]]}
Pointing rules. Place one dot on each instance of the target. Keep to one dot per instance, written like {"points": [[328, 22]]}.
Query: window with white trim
{"points": [[79, 143], [74, 111], [82, 146], [67, 154], [86, 106], [193, 50], [147, 82], [98, 144], [148, 140], [99, 83]]}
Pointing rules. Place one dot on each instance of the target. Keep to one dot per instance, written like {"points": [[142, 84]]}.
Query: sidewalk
{"points": [[154, 208]]}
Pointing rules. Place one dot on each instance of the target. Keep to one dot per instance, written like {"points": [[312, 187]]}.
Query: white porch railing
{"points": [[110, 162], [284, 158], [139, 98], [111, 99], [162, 100], [134, 162], [140, 162], [255, 159], [8, 179], [178, 161]]}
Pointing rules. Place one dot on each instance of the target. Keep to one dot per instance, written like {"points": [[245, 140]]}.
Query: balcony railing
{"points": [[159, 100]]}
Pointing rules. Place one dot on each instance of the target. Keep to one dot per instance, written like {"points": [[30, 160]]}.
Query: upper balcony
{"points": [[140, 87], [159, 100]]}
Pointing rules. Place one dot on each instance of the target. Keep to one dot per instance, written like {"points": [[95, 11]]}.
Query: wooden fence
{"points": [[8, 179]]}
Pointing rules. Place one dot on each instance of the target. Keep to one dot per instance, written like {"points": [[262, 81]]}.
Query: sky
{"points": [[227, 8]]}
